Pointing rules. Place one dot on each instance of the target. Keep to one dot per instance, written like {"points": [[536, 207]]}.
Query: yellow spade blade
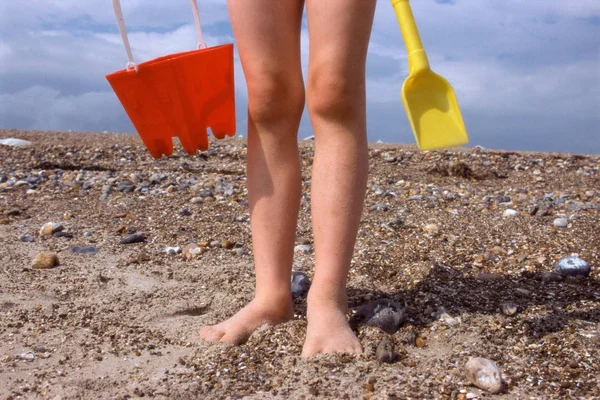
{"points": [[428, 98]]}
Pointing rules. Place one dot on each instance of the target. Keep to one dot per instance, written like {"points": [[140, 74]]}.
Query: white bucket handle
{"points": [[121, 22]]}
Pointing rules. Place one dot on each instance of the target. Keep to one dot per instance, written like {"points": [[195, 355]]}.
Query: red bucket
{"points": [[181, 94]]}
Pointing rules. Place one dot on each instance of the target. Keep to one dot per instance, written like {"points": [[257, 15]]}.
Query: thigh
{"points": [[267, 34], [339, 33]]}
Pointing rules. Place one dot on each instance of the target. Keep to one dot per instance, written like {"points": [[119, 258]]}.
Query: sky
{"points": [[526, 73]]}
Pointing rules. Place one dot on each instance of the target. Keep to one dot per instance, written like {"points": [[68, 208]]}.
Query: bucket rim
{"points": [[163, 59]]}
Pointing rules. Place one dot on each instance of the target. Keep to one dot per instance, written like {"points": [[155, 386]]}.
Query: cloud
{"points": [[47, 109], [517, 64]]}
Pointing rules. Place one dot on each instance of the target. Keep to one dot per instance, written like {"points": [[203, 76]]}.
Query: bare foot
{"points": [[328, 330], [237, 329]]}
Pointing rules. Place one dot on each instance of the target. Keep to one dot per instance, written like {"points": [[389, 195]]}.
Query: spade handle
{"points": [[417, 59]]}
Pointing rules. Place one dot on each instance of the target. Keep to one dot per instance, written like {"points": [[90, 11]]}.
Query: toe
{"points": [[234, 338], [211, 333]]}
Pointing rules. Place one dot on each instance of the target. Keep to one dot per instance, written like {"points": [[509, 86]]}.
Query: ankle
{"points": [[274, 300], [327, 296]]}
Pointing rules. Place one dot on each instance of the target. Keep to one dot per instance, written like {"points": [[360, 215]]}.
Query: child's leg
{"points": [[339, 34], [268, 40]]}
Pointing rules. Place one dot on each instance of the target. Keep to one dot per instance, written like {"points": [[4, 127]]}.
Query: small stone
{"points": [[488, 276], [173, 250], [572, 266], [303, 248], [84, 250], [382, 313], [50, 228], [560, 222], [379, 207], [192, 251], [240, 251], [226, 244], [196, 200], [13, 212], [550, 276], [4, 221], [66, 235], [15, 142], [419, 342], [26, 356], [26, 237], [300, 284], [184, 212], [503, 199], [385, 351], [510, 213], [498, 250], [446, 319], [509, 309], [45, 260], [126, 186], [133, 238], [417, 197], [431, 229], [303, 241], [484, 374]]}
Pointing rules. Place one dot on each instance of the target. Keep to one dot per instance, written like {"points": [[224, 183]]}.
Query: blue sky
{"points": [[526, 73]]}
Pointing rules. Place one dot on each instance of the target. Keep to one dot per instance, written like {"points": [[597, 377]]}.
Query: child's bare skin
{"points": [[268, 39]]}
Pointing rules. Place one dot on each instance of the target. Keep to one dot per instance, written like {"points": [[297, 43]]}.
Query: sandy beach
{"points": [[110, 261]]}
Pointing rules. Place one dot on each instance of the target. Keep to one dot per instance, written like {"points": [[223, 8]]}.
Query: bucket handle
{"points": [[131, 65]]}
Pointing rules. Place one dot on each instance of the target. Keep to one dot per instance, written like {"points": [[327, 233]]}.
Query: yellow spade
{"points": [[428, 98]]}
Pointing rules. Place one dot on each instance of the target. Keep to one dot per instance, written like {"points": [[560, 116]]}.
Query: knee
{"points": [[333, 96], [272, 97]]}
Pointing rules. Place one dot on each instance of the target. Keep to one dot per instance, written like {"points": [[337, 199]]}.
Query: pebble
{"points": [[26, 356], [133, 238], [84, 250], [379, 207], [509, 309], [417, 197], [62, 234], [45, 260], [550, 276], [385, 351], [510, 213], [184, 212], [173, 250], [26, 237], [488, 276], [50, 228], [503, 199], [227, 244], [303, 248], [196, 200], [446, 319], [300, 284], [382, 313], [240, 251], [431, 229], [192, 251], [560, 222], [572, 266], [484, 374], [13, 142], [126, 186]]}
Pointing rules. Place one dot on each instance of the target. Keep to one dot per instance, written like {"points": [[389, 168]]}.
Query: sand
{"points": [[122, 323]]}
